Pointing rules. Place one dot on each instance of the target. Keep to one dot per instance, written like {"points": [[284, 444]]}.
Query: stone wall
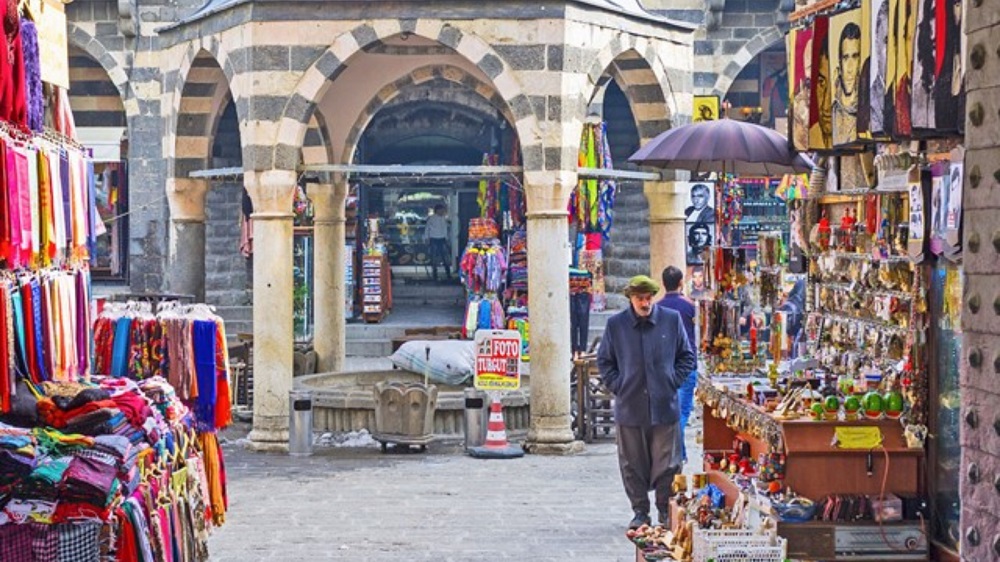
{"points": [[133, 64], [980, 380]]}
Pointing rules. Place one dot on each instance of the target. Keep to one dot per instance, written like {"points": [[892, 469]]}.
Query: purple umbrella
{"points": [[725, 145]]}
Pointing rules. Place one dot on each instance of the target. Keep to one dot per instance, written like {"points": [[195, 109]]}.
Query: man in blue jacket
{"points": [[644, 358], [673, 299]]}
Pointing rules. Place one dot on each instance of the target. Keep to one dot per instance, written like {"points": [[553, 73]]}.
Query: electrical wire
{"points": [[881, 501]]}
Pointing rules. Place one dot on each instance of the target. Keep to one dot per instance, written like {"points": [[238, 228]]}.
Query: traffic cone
{"points": [[496, 446]]}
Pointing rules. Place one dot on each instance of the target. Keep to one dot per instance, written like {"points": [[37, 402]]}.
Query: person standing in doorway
{"points": [[436, 233], [674, 299], [644, 358]]}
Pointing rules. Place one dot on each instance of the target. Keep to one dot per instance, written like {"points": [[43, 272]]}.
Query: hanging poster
{"points": [[924, 66], [53, 47], [699, 222], [939, 206], [917, 222], [864, 78], [906, 26], [706, 108], [845, 55], [697, 288], [820, 96], [879, 28], [801, 65], [949, 83]]}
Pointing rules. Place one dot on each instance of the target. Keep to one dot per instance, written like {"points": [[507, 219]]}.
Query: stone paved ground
{"points": [[442, 505], [359, 504]]}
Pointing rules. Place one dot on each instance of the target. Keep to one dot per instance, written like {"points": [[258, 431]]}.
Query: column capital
{"points": [[548, 191], [186, 199], [667, 200], [328, 201], [272, 191]]}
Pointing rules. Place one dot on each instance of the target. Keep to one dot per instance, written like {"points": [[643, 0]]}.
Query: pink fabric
{"points": [[14, 203]]}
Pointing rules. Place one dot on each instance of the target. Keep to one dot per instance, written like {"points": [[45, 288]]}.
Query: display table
{"points": [[815, 468]]}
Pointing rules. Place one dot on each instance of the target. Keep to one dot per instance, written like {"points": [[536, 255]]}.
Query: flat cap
{"points": [[641, 285]]}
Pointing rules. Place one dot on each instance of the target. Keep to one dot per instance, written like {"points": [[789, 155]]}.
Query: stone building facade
{"points": [[299, 83]]}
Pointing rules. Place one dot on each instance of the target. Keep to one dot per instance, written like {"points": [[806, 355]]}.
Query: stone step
{"points": [[368, 347]]}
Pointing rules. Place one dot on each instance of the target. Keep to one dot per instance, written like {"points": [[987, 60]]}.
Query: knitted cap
{"points": [[641, 285]]}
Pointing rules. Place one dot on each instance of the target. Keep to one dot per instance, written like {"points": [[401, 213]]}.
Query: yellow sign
{"points": [[854, 437], [53, 50], [706, 108], [498, 360]]}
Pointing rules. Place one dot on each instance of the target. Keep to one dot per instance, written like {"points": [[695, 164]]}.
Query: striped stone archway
{"points": [[79, 38], [316, 79], [753, 47], [416, 77]]}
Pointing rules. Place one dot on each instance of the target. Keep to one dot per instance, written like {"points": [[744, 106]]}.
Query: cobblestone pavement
{"points": [[358, 504], [442, 505]]}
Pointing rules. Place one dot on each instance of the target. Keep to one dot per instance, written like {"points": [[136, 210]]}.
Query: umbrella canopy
{"points": [[724, 145]]}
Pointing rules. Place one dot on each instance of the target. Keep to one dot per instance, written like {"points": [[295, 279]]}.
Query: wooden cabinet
{"points": [[815, 467]]}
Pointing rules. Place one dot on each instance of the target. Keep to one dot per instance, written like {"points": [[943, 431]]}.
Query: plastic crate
{"points": [[736, 545]]}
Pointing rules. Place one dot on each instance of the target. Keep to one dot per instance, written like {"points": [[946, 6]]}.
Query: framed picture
{"points": [[706, 108]]}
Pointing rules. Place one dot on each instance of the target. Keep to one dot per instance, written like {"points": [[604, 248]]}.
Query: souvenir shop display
{"points": [[516, 293], [483, 271], [376, 276], [591, 209]]}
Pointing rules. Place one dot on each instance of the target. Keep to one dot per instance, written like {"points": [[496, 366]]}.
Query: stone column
{"points": [[272, 193], [328, 278], [186, 199], [548, 308], [667, 242]]}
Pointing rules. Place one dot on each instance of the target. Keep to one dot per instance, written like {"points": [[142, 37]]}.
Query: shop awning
{"points": [[105, 142]]}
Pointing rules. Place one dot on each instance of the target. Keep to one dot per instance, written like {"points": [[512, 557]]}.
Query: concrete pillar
{"points": [[328, 277], [548, 306], [272, 193], [667, 242], [186, 199]]}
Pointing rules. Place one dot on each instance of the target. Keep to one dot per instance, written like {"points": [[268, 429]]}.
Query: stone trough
{"points": [[345, 402]]}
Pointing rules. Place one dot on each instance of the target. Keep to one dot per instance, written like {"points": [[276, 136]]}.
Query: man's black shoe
{"points": [[639, 520]]}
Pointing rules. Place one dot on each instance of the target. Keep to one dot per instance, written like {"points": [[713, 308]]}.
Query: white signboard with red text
{"points": [[498, 360]]}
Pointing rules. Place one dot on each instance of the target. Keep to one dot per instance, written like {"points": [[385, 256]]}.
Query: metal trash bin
{"points": [[300, 423], [476, 414]]}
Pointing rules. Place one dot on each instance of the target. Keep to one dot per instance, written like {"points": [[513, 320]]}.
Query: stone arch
{"points": [[316, 147], [642, 78], [201, 98], [753, 47], [80, 38], [416, 77], [311, 87]]}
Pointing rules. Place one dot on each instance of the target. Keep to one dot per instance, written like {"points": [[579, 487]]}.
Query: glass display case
{"points": [[945, 400]]}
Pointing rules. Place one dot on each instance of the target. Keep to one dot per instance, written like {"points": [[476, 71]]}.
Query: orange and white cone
{"points": [[496, 446]]}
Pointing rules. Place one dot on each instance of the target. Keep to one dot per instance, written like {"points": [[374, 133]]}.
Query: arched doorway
{"points": [[102, 127]]}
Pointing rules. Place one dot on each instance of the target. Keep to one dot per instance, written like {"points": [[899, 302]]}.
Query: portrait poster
{"points": [[797, 236], [801, 65], [845, 66], [820, 95], [696, 284], [864, 79], [773, 85], [879, 30], [949, 57], [889, 100], [953, 214], [918, 224], [699, 221], [939, 206], [699, 238], [706, 108], [924, 66], [906, 26]]}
